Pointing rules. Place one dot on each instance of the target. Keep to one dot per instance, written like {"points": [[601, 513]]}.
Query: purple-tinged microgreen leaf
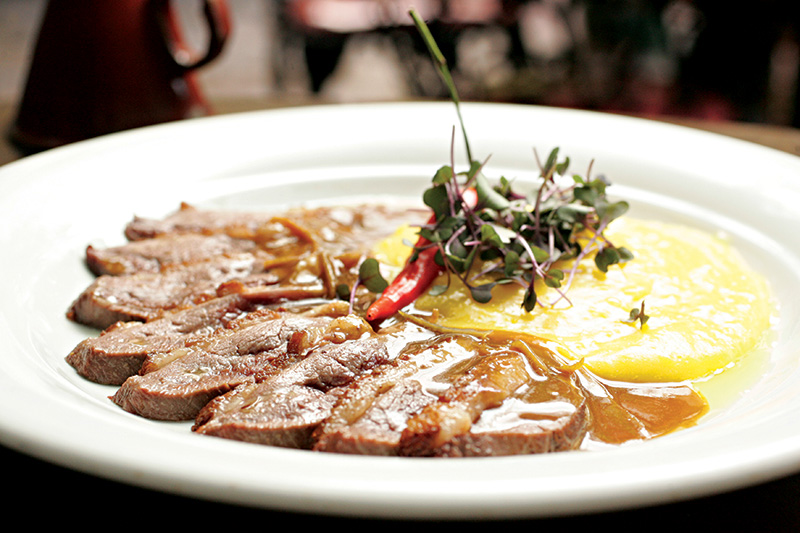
{"points": [[437, 199], [611, 211], [561, 168], [510, 263], [343, 291], [625, 255], [490, 236], [482, 293], [488, 196], [443, 175], [529, 299], [553, 278], [539, 255], [437, 290], [370, 275], [605, 258], [637, 314]]}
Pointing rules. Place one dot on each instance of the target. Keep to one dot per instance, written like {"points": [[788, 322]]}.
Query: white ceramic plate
{"points": [[54, 204]]}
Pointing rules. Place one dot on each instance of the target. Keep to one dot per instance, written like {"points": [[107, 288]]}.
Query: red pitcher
{"points": [[102, 66]]}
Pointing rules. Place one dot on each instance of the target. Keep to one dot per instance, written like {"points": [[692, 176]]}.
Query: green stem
{"points": [[441, 65]]}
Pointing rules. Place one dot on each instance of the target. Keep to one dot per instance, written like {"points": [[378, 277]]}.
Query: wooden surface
{"points": [[771, 506]]}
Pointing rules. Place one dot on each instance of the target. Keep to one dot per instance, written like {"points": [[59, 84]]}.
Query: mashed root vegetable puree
{"points": [[706, 309]]}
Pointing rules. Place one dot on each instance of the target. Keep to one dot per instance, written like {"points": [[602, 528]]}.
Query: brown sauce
{"points": [[616, 412]]}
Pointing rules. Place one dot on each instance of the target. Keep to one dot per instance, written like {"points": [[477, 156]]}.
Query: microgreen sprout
{"points": [[369, 276], [516, 237], [637, 314]]}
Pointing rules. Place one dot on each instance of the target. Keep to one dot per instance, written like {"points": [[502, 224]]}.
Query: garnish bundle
{"points": [[499, 235], [509, 237]]}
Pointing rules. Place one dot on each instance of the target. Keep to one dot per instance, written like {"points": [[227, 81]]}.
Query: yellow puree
{"points": [[707, 309]]}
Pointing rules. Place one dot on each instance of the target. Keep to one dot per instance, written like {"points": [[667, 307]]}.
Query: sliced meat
{"points": [[337, 229], [153, 255], [286, 409], [145, 296], [308, 309], [522, 427], [119, 351], [370, 417], [211, 316], [189, 219], [340, 230], [499, 408], [265, 275], [373, 411], [426, 403], [253, 349], [488, 383]]}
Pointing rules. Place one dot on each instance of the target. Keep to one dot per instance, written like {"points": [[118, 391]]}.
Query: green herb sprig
{"points": [[516, 238], [369, 276]]}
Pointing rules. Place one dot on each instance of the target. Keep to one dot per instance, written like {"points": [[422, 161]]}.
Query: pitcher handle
{"points": [[217, 16]]}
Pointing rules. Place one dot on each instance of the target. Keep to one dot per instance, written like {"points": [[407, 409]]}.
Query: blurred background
{"points": [[705, 59]]}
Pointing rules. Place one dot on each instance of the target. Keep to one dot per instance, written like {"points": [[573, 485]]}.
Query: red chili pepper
{"points": [[415, 277]]}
